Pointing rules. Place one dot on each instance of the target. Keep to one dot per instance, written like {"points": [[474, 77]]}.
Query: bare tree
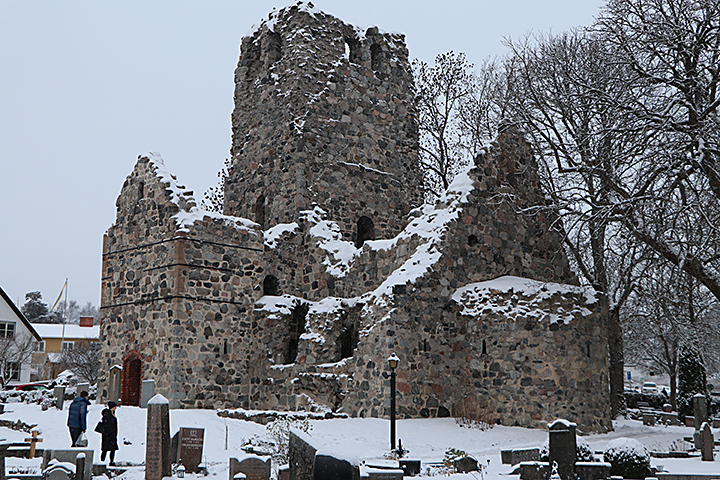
{"points": [[557, 92], [15, 350], [83, 359], [672, 197]]}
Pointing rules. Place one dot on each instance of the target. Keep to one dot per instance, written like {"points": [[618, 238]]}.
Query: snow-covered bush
{"points": [[279, 432], [629, 458], [582, 450]]}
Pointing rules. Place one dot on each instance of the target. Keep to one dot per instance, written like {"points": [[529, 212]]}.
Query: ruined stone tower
{"points": [[323, 118], [325, 261]]}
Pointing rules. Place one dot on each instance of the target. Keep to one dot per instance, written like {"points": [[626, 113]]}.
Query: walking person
{"points": [[109, 432], [77, 416]]}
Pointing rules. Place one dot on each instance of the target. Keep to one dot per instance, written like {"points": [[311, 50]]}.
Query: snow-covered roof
{"points": [[55, 330]]}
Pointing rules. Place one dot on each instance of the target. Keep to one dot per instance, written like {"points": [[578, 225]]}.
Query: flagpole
{"points": [[62, 340]]}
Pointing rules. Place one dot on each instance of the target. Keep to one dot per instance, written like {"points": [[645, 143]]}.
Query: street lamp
{"points": [[393, 361]]}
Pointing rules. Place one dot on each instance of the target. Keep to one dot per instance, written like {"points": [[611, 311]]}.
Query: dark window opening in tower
{"points": [[484, 347], [225, 348], [473, 240], [365, 231], [348, 341], [271, 286], [273, 48], [352, 50], [588, 350], [298, 315], [259, 211], [141, 190], [375, 55]]}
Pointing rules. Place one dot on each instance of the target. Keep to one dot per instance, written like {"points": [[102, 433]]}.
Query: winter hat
{"points": [[112, 404]]}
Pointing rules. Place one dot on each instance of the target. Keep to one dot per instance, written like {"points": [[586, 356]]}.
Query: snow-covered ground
{"points": [[354, 438]]}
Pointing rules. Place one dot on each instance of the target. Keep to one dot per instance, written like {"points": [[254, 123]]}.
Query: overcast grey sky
{"points": [[87, 86]]}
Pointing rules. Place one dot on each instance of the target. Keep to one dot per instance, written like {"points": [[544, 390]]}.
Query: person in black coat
{"points": [[109, 432]]}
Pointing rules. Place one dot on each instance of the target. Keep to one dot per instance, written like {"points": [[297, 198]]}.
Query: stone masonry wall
{"points": [[179, 296], [323, 117]]}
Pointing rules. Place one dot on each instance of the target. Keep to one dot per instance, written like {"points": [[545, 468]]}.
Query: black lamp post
{"points": [[393, 361]]}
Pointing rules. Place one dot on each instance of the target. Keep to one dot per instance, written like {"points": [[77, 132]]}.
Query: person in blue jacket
{"points": [[77, 416]]}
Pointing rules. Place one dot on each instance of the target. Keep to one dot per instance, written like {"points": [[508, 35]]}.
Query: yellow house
{"points": [[57, 338]]}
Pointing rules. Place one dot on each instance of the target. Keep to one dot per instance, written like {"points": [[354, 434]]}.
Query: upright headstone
{"points": [[59, 394], [706, 443], [68, 456], [254, 468], [700, 410], [190, 448], [331, 468], [80, 467], [157, 443], [82, 387], [302, 458], [115, 383], [147, 391], [563, 448]]}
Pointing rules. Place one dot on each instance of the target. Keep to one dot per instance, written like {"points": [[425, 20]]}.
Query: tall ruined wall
{"points": [[177, 292], [323, 117]]}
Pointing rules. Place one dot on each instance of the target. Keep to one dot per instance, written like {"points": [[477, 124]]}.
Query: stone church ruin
{"points": [[325, 259]]}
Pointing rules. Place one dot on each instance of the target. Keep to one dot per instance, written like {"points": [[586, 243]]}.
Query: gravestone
{"points": [[147, 391], [254, 468], [80, 467], [689, 421], [82, 387], [284, 472], [706, 443], [466, 464], [157, 443], [57, 470], [377, 474], [331, 468], [700, 410], [648, 419], [302, 458], [190, 448], [513, 457], [68, 456], [563, 447], [410, 467], [114, 384], [59, 394]]}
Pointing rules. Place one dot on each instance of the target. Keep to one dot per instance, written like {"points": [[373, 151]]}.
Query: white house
{"points": [[16, 335]]}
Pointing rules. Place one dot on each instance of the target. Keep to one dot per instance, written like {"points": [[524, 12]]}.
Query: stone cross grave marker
{"points": [[190, 447], [147, 391], [157, 443], [331, 468], [252, 467], [59, 394], [115, 383], [33, 441]]}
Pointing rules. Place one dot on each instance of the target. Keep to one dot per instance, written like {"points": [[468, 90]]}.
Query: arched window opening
{"points": [[141, 190], [298, 315], [225, 348], [347, 341], [271, 286], [259, 211], [131, 379], [365, 231], [352, 50], [484, 347], [375, 56]]}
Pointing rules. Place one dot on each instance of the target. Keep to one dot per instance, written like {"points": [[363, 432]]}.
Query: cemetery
{"points": [[157, 442]]}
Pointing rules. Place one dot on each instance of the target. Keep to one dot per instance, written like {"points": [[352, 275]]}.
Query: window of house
{"points": [[7, 329], [14, 370], [67, 346], [39, 347]]}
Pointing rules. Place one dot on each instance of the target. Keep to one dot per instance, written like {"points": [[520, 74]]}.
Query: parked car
{"points": [[649, 388], [32, 386]]}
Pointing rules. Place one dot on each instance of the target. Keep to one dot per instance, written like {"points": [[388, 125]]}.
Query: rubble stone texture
{"points": [[325, 260]]}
